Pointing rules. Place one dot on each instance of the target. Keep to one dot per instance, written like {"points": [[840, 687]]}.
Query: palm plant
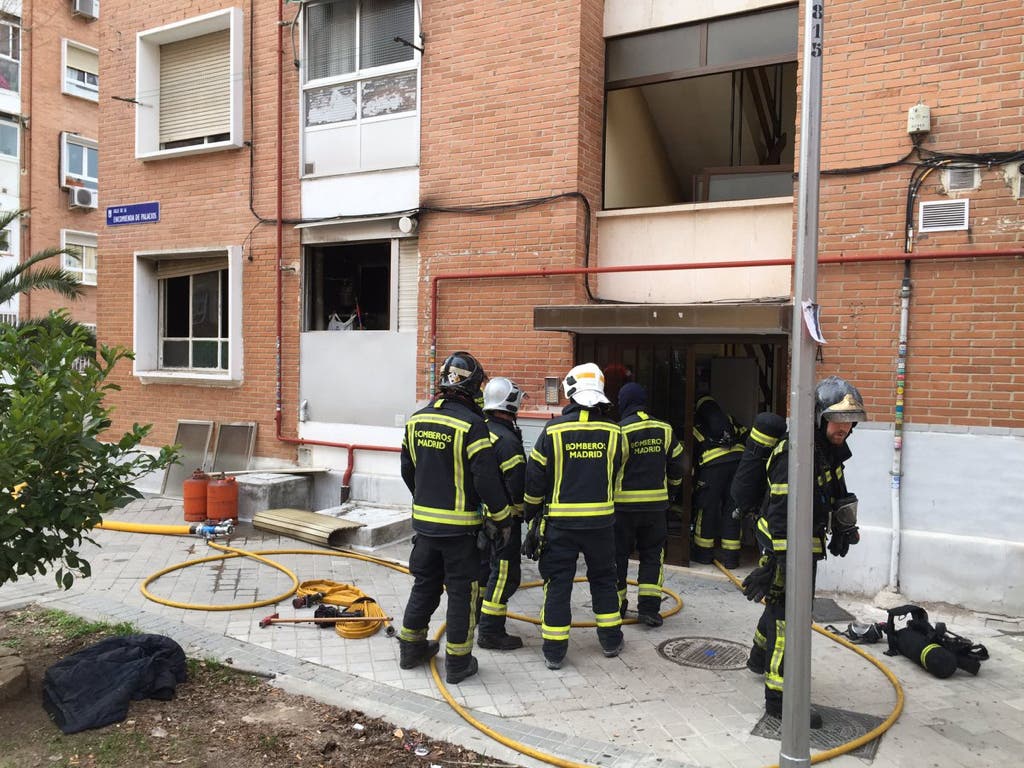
{"points": [[34, 274]]}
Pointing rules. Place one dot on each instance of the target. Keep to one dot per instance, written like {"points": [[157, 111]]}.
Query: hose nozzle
{"points": [[208, 531]]}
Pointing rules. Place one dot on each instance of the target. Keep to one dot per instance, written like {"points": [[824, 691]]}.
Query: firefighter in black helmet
{"points": [[449, 465], [718, 446], [837, 409], [570, 505], [651, 476]]}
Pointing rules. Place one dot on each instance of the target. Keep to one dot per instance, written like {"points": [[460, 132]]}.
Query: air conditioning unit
{"points": [[87, 9], [81, 197]]}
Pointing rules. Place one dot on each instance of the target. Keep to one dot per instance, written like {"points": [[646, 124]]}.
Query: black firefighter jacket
{"points": [[449, 466], [829, 485], [508, 448], [572, 470], [652, 468]]}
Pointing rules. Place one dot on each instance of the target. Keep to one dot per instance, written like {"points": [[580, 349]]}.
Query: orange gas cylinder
{"points": [[194, 496], [222, 499]]}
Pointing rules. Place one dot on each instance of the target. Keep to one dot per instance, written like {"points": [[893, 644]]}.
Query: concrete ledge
{"points": [[265, 490], [380, 525], [13, 674]]}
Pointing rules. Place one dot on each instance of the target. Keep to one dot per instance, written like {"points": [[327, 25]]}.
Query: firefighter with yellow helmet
{"points": [[570, 505], [837, 409]]}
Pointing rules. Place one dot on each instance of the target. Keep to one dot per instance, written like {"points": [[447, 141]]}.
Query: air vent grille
{"points": [[944, 216], [961, 179]]}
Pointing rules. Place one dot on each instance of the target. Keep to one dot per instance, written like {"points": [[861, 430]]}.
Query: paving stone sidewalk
{"points": [[641, 709]]}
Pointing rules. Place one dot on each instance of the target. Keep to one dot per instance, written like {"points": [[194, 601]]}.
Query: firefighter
{"points": [[837, 409], [652, 473], [449, 465], [718, 446], [502, 400], [569, 503]]}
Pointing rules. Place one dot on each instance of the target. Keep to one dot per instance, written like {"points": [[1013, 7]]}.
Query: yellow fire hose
{"points": [[258, 555]]}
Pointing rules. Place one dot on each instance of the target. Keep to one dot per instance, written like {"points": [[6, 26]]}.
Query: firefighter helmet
{"points": [[461, 372], [502, 394], [584, 384], [836, 399]]}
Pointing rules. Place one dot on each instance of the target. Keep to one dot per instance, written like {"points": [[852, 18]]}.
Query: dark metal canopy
{"points": [[768, 319]]}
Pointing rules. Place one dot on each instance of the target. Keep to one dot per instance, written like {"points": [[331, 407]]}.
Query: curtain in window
{"points": [[381, 22], [330, 39]]}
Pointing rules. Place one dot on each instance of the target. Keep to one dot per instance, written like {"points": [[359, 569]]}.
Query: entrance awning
{"points": [[676, 319]]}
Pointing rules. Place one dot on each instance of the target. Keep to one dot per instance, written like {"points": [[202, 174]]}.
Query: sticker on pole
{"points": [[812, 319]]}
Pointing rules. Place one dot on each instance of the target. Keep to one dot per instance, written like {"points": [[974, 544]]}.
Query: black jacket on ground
{"points": [[94, 687]]}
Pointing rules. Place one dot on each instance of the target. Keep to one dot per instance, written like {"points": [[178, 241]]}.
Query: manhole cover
{"points": [[839, 726], [705, 652]]}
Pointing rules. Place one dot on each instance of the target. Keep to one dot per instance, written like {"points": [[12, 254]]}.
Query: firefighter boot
{"points": [[729, 558], [702, 555], [414, 653], [502, 642], [773, 708], [458, 668]]}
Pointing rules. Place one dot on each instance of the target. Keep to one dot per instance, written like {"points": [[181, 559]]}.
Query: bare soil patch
{"points": [[220, 718]]}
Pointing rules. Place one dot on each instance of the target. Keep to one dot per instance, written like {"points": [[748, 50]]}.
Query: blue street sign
{"points": [[137, 213]]}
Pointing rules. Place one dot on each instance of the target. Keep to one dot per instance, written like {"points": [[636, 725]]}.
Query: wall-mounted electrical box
{"points": [[919, 120], [1014, 179]]}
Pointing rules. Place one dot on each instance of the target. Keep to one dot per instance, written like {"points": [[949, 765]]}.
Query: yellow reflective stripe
{"points": [[501, 514], [412, 635], [649, 590], [554, 633], [715, 453], [493, 609], [731, 545], [678, 451], [698, 435], [539, 457], [766, 440], [779, 489], [759, 639], [502, 580], [509, 463], [445, 516], [924, 654], [439, 418], [773, 675], [655, 494], [674, 483], [478, 445], [460, 471], [702, 542], [527, 498], [608, 619], [779, 545], [460, 649], [585, 509]]}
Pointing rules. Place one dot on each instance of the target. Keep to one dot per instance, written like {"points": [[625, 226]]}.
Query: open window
{"points": [[350, 287], [702, 112], [81, 71], [81, 255], [79, 161]]}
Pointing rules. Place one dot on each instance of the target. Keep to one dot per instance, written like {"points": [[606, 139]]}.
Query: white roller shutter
{"points": [[79, 58], [195, 87], [192, 265], [408, 283]]}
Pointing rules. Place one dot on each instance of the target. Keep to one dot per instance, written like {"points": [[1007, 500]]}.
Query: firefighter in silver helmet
{"points": [[838, 407], [449, 466], [500, 578]]}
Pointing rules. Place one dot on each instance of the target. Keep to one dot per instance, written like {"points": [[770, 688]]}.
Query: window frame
{"points": [[147, 79], [13, 26], [148, 319], [357, 77], [74, 237], [74, 87], [16, 125], [66, 174]]}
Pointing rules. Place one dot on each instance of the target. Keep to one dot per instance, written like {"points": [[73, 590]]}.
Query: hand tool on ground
{"points": [[275, 619], [308, 601]]}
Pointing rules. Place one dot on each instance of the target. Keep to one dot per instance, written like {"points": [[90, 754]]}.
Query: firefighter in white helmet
{"points": [[570, 505], [502, 572]]}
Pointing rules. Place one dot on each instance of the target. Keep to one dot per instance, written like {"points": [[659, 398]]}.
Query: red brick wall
{"points": [[204, 201], [512, 110], [964, 60], [50, 112]]}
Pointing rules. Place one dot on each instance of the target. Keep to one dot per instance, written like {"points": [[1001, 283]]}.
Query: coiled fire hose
{"points": [[351, 598]]}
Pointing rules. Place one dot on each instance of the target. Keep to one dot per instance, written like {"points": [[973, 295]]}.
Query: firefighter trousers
{"points": [[562, 549], [443, 564], [713, 520], [503, 574], [772, 628], [647, 531]]}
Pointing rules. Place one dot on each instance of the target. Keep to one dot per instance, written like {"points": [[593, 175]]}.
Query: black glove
{"points": [[759, 581], [531, 541], [498, 533], [841, 541]]}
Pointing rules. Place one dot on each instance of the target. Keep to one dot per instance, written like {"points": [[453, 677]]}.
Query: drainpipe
{"points": [[346, 479], [897, 437]]}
